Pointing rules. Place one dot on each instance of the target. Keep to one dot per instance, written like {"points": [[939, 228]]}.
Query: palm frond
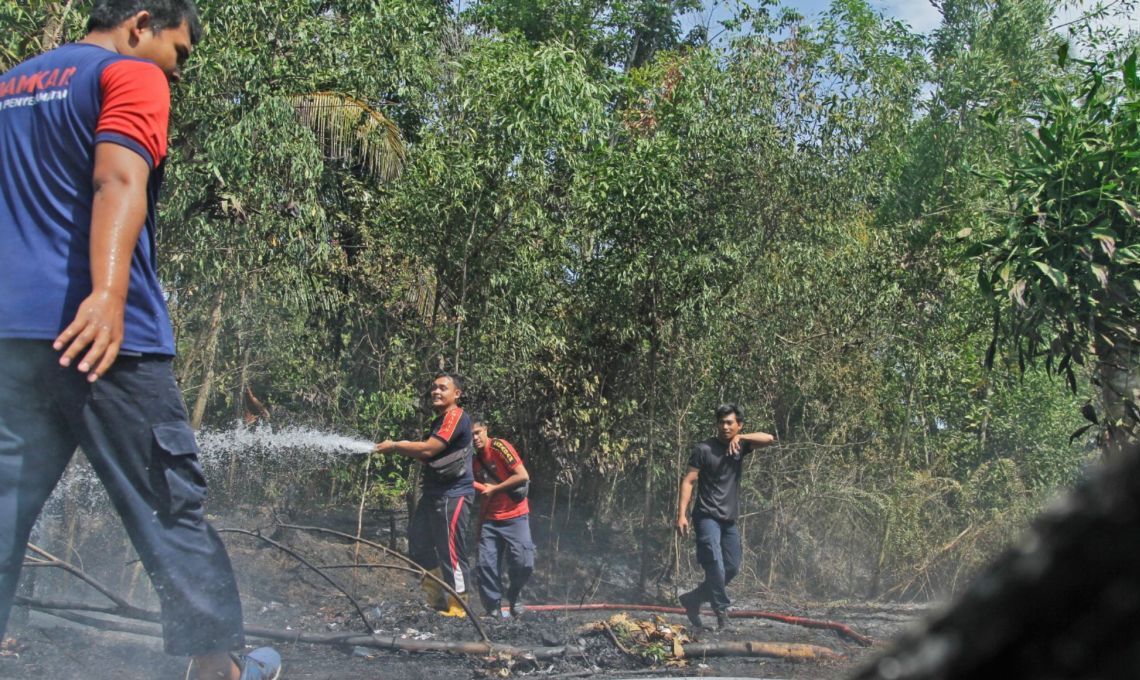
{"points": [[352, 130]]}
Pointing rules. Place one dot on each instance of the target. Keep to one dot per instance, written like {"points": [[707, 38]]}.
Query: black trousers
{"points": [[437, 537], [132, 426]]}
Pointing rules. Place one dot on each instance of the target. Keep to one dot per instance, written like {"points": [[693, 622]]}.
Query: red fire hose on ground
{"points": [[842, 629]]}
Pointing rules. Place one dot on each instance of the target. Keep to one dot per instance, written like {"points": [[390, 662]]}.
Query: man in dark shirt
{"points": [[714, 467], [437, 532]]}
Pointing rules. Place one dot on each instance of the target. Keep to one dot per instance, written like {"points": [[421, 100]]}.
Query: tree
{"points": [[1064, 268]]}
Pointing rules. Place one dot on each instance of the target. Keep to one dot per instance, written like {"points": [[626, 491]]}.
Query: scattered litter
{"points": [[10, 648]]}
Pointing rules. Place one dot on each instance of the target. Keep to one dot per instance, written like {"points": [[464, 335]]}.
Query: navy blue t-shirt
{"points": [[54, 109], [454, 430]]}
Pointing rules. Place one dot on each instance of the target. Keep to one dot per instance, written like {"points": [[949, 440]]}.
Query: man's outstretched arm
{"points": [[421, 451], [756, 439]]}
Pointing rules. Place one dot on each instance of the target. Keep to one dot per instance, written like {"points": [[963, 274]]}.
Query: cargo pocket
{"points": [[185, 481], [522, 554], [528, 556]]}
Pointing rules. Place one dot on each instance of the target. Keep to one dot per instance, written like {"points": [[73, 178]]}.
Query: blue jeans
{"points": [[718, 552], [132, 426], [509, 537]]}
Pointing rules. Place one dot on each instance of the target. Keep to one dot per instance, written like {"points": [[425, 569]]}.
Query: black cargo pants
{"points": [[132, 426]]}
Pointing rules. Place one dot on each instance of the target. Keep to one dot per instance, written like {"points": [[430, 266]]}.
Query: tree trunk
{"points": [[53, 29], [1119, 368], [208, 364], [651, 445], [239, 391], [461, 310]]}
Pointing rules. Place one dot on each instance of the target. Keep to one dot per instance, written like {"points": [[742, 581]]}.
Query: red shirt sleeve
{"points": [[447, 425], [136, 108], [507, 453]]}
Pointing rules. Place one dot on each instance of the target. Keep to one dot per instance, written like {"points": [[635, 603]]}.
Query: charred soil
{"points": [[282, 594]]}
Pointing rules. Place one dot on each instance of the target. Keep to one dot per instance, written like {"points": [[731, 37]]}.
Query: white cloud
{"points": [[920, 14], [923, 17]]}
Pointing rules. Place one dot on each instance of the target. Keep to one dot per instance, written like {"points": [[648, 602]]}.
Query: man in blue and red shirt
{"points": [[437, 532], [505, 530], [85, 338]]}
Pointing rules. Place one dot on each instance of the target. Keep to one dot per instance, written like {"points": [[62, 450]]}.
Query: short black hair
{"points": [[455, 378], [108, 14], [479, 419], [725, 409]]}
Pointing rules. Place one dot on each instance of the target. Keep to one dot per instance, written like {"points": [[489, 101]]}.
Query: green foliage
{"points": [[32, 26], [625, 33], [1063, 267], [611, 227]]}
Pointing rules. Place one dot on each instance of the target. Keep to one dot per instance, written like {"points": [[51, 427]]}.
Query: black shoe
{"points": [[722, 623], [517, 608], [691, 601]]}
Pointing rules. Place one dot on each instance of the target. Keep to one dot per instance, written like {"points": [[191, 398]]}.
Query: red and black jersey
{"points": [[453, 428], [498, 460]]}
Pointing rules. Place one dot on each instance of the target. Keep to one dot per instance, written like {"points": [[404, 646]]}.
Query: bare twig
{"points": [[371, 565], [424, 573], [46, 559], [360, 514], [302, 560], [613, 637]]}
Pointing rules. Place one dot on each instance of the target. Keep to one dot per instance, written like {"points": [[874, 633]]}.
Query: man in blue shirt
{"points": [[85, 338]]}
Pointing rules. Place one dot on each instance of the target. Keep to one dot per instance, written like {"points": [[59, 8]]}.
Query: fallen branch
{"points": [[789, 651], [424, 573], [345, 639], [656, 672], [293, 553], [48, 606], [840, 628]]}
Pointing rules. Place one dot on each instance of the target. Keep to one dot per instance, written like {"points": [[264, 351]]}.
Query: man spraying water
{"points": [[437, 532]]}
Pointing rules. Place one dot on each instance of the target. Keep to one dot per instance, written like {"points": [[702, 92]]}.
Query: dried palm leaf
{"points": [[352, 130]]}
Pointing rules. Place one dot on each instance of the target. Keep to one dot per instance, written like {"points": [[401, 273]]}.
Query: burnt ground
{"points": [[280, 593]]}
